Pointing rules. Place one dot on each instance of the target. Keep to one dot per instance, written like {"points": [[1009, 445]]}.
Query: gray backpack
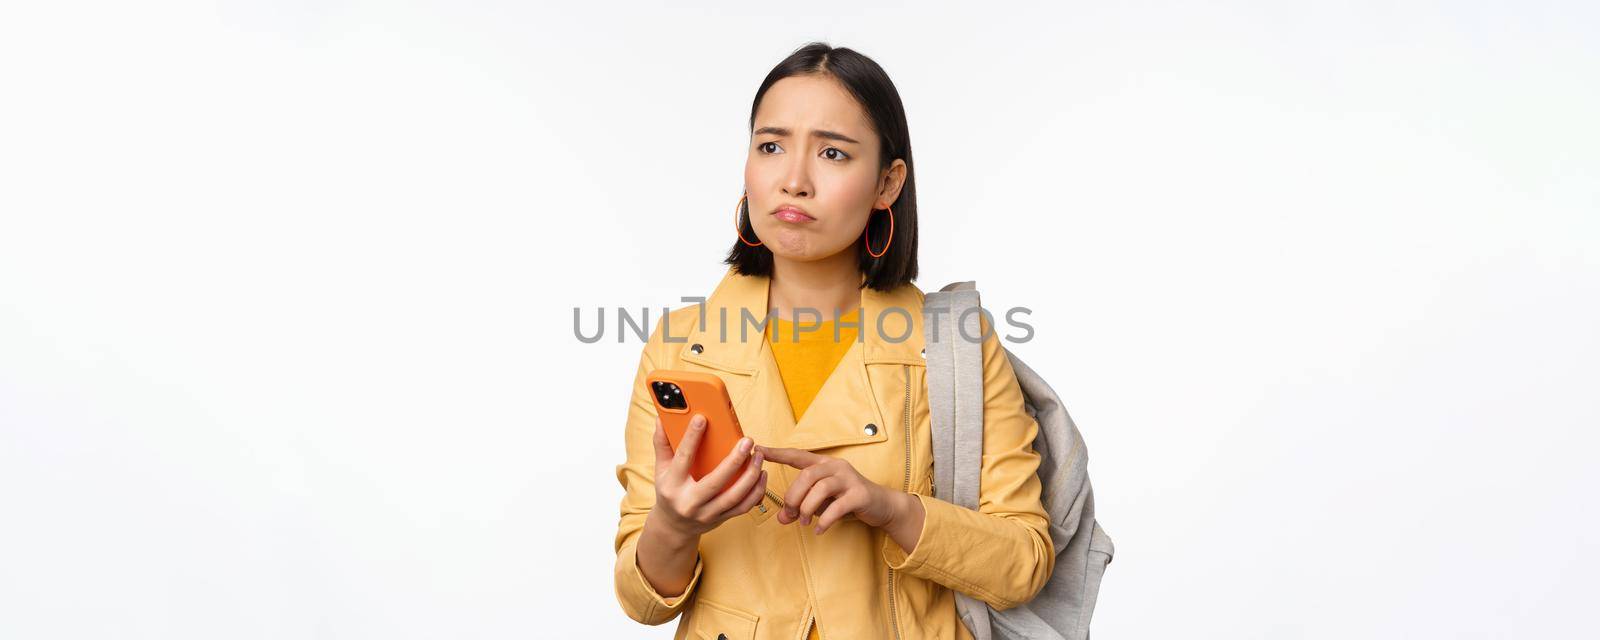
{"points": [[1062, 609]]}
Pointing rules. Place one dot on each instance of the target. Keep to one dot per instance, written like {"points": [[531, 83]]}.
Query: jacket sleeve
{"points": [[637, 476], [1002, 553]]}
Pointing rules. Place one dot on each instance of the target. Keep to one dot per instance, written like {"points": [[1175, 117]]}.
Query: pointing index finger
{"points": [[797, 458]]}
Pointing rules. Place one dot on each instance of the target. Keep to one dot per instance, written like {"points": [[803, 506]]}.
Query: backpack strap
{"points": [[952, 337], [955, 410]]}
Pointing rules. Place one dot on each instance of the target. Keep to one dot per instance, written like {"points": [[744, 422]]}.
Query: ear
{"points": [[890, 183]]}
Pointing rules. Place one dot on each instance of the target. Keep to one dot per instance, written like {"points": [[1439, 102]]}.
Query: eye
{"points": [[763, 147], [842, 155]]}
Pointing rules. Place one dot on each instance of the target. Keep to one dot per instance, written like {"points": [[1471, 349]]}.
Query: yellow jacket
{"points": [[756, 578]]}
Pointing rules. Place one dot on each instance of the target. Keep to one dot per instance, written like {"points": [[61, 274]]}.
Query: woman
{"points": [[830, 530]]}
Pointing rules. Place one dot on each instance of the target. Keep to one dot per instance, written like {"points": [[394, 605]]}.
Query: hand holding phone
{"points": [[679, 396], [706, 470]]}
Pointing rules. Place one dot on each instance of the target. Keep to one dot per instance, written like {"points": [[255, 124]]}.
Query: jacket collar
{"points": [[732, 337], [847, 409]]}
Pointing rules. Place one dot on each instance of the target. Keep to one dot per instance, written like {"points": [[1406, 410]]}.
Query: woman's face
{"points": [[814, 149]]}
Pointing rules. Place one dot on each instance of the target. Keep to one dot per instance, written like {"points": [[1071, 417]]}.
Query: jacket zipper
{"points": [[905, 485]]}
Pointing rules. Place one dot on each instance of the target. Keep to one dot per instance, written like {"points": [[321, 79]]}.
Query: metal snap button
{"points": [[871, 429], [696, 348], [722, 636], [924, 354]]}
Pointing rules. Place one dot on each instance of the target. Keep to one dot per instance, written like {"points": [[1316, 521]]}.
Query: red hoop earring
{"points": [[736, 207], [867, 237]]}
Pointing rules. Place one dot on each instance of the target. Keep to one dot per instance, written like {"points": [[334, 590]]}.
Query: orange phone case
{"points": [[704, 394]]}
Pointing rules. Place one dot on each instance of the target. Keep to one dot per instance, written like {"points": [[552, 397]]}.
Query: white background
{"points": [[286, 296]]}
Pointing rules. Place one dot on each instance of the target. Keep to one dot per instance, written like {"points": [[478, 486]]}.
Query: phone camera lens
{"points": [[669, 395]]}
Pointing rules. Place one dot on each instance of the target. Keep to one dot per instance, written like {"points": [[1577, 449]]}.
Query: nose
{"points": [[797, 181]]}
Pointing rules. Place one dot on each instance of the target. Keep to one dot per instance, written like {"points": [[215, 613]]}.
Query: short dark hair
{"points": [[870, 85]]}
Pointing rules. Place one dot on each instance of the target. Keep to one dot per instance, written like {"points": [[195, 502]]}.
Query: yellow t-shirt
{"points": [[806, 361]]}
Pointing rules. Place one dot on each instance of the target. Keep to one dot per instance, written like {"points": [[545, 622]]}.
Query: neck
{"points": [[830, 286]]}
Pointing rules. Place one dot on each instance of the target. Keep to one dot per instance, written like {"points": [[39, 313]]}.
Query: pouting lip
{"points": [[790, 207]]}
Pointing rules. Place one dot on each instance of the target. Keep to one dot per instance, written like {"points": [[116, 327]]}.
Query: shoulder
{"points": [[996, 361], [671, 331]]}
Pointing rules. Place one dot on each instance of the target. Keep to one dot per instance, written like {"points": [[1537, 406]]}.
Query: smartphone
{"points": [[681, 394]]}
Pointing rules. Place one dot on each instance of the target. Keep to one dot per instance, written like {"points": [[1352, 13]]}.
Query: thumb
{"points": [[689, 444], [663, 446]]}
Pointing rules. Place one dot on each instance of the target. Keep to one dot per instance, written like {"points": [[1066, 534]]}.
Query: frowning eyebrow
{"points": [[783, 132]]}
